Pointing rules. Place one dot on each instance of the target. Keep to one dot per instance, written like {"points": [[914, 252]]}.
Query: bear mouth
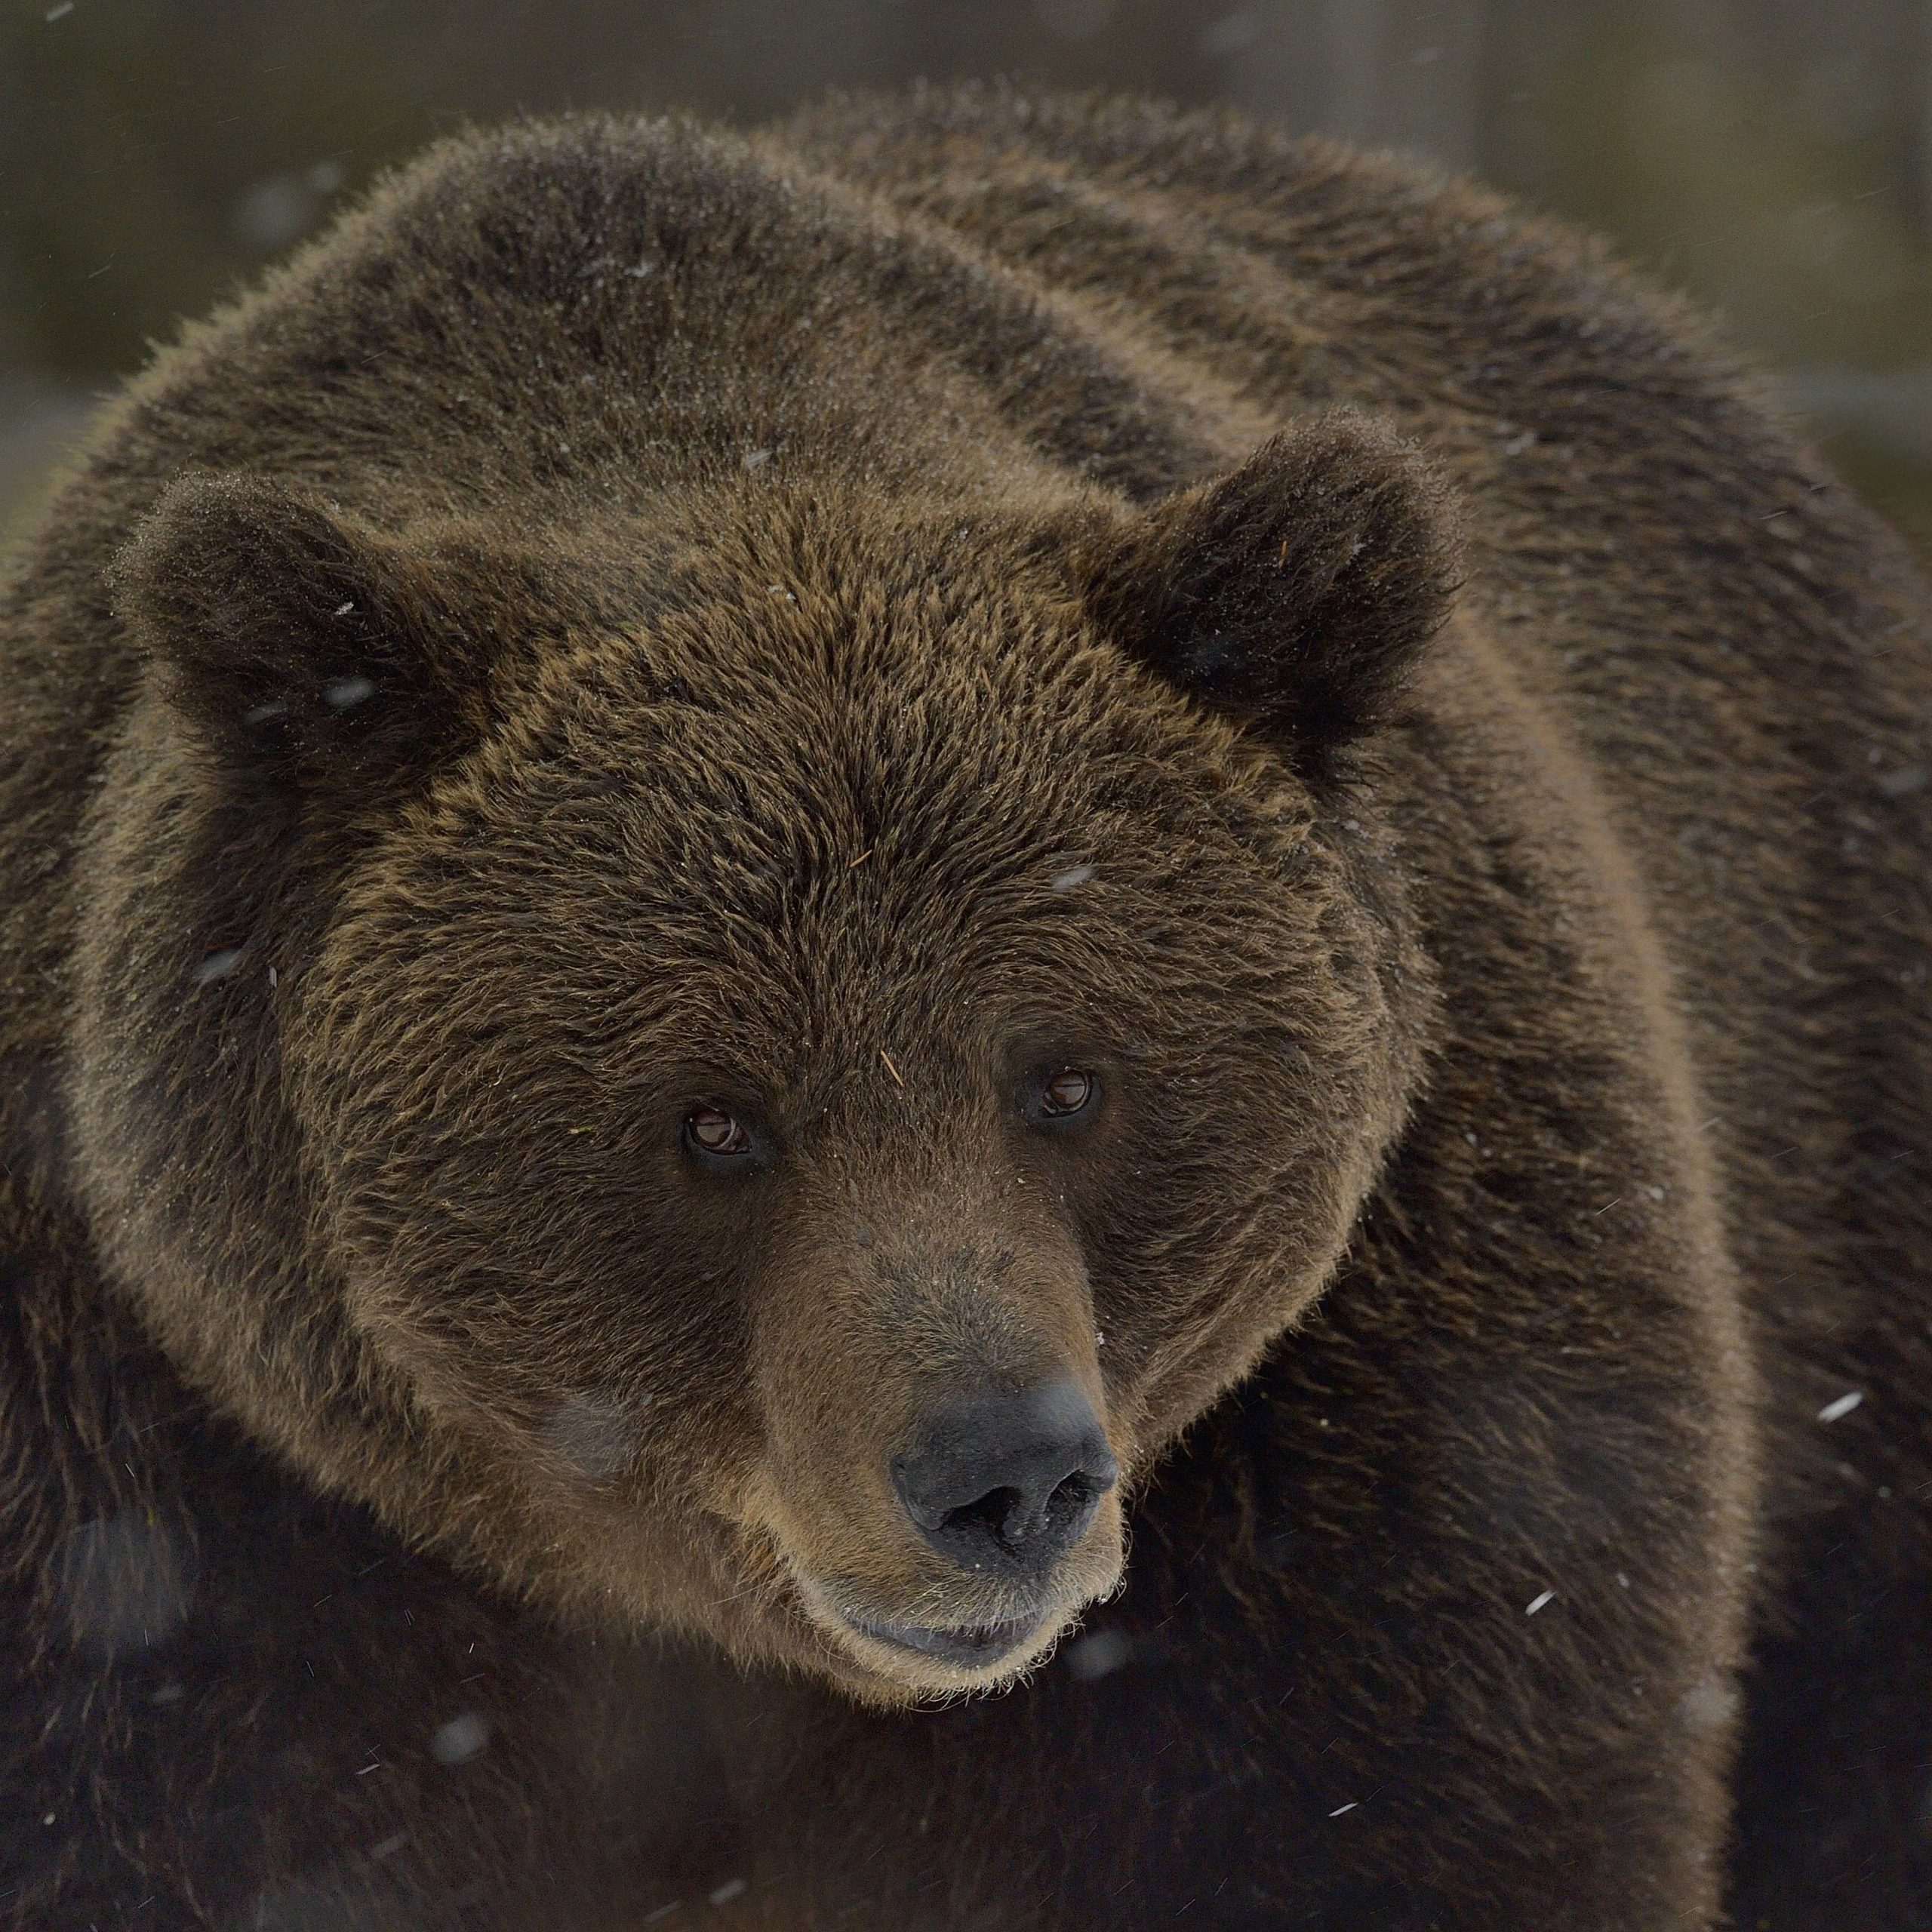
{"points": [[972, 1647]]}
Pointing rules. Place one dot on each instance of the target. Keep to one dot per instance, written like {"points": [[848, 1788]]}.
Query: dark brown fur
{"points": [[833, 624]]}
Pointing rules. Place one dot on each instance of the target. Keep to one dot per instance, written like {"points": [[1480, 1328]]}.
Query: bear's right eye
{"points": [[711, 1132]]}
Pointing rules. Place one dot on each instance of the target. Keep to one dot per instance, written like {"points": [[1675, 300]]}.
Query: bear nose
{"points": [[1008, 1481]]}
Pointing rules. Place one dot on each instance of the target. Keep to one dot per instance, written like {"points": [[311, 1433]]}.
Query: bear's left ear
{"points": [[1296, 591]]}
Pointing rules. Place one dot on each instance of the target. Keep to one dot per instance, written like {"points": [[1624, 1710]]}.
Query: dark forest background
{"points": [[1773, 157]]}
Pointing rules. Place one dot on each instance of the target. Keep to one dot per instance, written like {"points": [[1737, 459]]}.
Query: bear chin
{"points": [[898, 1664], [897, 1660]]}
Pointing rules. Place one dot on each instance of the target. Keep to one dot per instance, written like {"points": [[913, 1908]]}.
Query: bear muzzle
{"points": [[936, 1471], [1006, 1486]]}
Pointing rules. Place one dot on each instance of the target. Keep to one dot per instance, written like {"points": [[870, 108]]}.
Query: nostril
{"points": [[1074, 1499], [1000, 1515], [1072, 1504]]}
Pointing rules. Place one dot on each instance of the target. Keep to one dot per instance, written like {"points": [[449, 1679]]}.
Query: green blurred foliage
{"points": [[1769, 160], [152, 150], [1772, 157]]}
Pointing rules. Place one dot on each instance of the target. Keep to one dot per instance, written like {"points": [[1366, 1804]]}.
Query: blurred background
{"points": [[1772, 158]]}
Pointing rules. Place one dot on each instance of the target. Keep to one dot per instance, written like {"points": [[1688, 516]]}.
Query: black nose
{"points": [[1007, 1482]]}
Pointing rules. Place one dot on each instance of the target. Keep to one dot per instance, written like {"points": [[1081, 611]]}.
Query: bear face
{"points": [[775, 1102]]}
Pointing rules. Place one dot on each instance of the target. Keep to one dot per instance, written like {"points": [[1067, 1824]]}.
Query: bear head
{"points": [[742, 1068]]}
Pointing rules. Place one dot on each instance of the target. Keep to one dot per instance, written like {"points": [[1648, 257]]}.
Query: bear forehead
{"points": [[750, 868], [851, 855]]}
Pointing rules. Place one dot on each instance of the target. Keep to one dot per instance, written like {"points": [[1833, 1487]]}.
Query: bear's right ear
{"points": [[303, 644]]}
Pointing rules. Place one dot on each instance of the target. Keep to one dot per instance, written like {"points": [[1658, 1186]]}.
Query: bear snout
{"points": [[936, 1468], [1005, 1482]]}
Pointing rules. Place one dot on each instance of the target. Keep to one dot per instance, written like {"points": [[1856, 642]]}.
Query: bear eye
{"points": [[1069, 1091], [711, 1130]]}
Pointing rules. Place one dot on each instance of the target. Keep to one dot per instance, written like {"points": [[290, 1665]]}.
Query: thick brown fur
{"points": [[837, 625]]}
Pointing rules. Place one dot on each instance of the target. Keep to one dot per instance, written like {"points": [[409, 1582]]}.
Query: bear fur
{"points": [[838, 624]]}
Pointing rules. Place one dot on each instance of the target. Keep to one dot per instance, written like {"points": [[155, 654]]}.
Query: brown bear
{"points": [[1008, 1014]]}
